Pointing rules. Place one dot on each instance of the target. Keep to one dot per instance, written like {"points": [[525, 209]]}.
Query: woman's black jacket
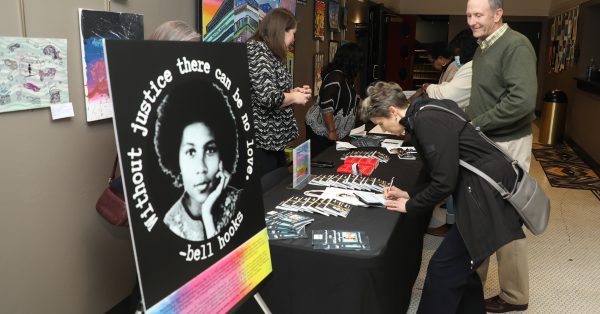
{"points": [[484, 219]]}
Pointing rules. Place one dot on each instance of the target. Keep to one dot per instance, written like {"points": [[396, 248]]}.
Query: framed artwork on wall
{"points": [[218, 22], [318, 66], [334, 15], [319, 20], [333, 46]]}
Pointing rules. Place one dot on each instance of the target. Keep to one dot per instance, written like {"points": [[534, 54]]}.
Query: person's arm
{"points": [[329, 96], [520, 83], [262, 82], [458, 89], [223, 177], [438, 135], [330, 125], [295, 97]]}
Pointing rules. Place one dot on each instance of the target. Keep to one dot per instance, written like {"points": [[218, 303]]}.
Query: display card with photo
{"points": [[185, 137]]}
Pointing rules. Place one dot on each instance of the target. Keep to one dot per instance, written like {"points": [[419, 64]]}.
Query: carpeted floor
{"points": [[564, 168]]}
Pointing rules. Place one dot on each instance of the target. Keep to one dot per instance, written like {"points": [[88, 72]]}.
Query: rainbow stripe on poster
{"points": [[219, 288]]}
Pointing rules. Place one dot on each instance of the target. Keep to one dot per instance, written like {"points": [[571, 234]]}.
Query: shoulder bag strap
{"points": [[487, 139], [502, 190], [114, 170], [498, 187]]}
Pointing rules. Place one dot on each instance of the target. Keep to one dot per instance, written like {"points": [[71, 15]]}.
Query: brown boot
{"points": [[438, 231]]}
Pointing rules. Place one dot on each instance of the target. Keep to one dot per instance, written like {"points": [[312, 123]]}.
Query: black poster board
{"points": [[184, 130]]}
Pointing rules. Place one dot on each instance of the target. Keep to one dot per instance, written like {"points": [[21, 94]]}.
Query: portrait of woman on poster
{"points": [[196, 144]]}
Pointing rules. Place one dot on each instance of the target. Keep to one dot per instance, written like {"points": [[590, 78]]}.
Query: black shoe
{"points": [[497, 305]]}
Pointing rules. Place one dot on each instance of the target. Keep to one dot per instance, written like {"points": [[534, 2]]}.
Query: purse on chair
{"points": [[111, 203]]}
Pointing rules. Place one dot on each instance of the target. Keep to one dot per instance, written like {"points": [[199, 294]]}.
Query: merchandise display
{"points": [[309, 204], [340, 240], [405, 153], [366, 154], [286, 225], [354, 165], [350, 182]]}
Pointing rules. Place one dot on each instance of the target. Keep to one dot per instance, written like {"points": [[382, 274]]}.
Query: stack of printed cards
{"points": [[406, 153], [286, 225], [350, 182], [367, 154], [340, 240], [323, 206], [390, 144]]}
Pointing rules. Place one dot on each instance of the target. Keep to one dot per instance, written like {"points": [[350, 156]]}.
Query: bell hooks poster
{"points": [[183, 124]]}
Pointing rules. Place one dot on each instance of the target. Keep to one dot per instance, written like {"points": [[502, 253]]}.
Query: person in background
{"points": [[333, 115], [174, 31], [442, 60], [271, 90], [457, 89], [503, 97], [484, 220]]}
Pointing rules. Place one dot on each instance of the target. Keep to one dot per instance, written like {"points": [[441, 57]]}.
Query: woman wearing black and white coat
{"points": [[271, 90]]}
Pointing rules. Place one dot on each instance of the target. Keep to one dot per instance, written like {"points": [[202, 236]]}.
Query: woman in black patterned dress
{"points": [[334, 113], [271, 88]]}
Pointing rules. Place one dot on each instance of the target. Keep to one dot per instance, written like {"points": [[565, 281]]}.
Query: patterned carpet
{"points": [[565, 169]]}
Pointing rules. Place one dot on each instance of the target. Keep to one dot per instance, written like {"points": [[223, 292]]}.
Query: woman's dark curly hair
{"points": [[191, 102], [349, 58], [464, 45]]}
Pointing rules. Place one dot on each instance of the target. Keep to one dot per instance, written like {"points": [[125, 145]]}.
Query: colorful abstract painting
{"points": [[96, 26], [319, 20], [318, 67], [563, 37], [33, 73], [236, 21], [334, 16]]}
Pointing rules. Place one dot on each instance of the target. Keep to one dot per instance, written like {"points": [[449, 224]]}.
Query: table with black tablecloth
{"points": [[305, 280]]}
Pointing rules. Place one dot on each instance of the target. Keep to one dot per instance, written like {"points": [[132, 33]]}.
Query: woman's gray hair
{"points": [[381, 97], [175, 31], [496, 4]]}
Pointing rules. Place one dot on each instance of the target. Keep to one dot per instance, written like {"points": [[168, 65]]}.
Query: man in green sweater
{"points": [[503, 96]]}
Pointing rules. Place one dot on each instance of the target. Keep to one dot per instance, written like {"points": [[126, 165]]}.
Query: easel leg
{"points": [[262, 303]]}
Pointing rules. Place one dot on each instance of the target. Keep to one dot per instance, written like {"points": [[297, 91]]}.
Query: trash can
{"points": [[553, 117]]}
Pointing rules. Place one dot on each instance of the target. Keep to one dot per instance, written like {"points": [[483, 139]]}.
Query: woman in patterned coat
{"points": [[271, 88]]}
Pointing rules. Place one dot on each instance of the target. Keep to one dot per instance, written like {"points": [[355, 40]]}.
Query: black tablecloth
{"points": [[305, 280]]}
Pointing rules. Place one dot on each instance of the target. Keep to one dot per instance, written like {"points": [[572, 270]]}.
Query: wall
{"points": [[559, 6], [583, 108], [58, 255], [458, 7]]}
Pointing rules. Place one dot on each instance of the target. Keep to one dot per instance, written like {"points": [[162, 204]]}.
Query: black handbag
{"points": [[111, 203]]}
